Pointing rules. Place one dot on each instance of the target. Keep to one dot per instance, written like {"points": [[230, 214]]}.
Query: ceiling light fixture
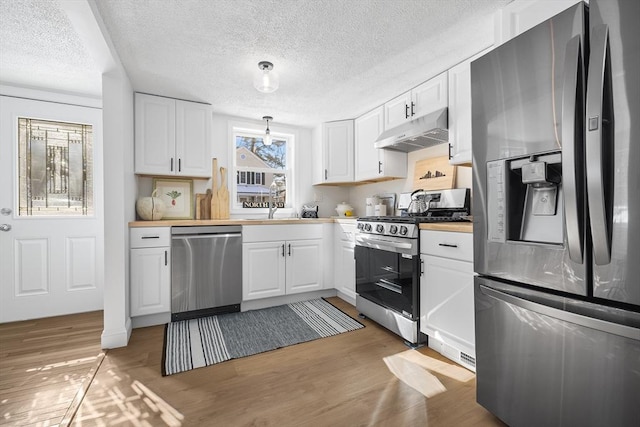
{"points": [[267, 133], [266, 80]]}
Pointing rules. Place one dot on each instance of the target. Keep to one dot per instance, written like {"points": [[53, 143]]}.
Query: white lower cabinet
{"points": [[150, 270], [273, 268], [446, 294], [344, 261]]}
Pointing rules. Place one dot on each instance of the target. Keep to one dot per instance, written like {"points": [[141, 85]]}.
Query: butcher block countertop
{"points": [[192, 222], [460, 227]]}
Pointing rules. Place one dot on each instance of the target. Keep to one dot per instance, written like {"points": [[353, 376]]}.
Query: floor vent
{"points": [[469, 360]]}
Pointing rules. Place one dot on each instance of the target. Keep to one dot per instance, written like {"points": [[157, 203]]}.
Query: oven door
{"points": [[387, 273]]}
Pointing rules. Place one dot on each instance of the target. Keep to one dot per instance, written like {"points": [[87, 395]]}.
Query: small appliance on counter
{"points": [[344, 210], [309, 210]]}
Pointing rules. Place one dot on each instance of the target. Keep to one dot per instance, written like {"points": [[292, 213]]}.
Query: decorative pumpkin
{"points": [[150, 208]]}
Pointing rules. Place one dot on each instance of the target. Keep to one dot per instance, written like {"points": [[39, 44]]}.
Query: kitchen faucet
{"points": [[273, 191]]}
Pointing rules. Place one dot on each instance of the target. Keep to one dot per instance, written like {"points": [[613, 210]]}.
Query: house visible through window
{"points": [[258, 165], [55, 168]]}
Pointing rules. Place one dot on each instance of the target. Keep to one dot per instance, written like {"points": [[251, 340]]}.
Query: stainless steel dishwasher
{"points": [[206, 271]]}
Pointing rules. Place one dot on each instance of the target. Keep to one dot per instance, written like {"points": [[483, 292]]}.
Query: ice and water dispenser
{"points": [[525, 200]]}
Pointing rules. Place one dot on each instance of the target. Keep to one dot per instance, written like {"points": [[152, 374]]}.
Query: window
{"points": [[257, 166], [55, 168]]}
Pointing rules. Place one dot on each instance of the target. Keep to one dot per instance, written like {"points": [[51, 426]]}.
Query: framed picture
{"points": [[177, 195]]}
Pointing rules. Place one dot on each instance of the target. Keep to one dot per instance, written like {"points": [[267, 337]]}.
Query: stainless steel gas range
{"points": [[388, 263]]}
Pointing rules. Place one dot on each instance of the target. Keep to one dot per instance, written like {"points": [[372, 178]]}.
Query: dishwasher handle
{"points": [[205, 236]]}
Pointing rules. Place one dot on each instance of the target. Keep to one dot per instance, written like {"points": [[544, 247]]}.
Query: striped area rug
{"points": [[190, 344]]}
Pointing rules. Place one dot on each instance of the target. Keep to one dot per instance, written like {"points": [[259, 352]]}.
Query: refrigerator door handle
{"points": [[597, 155], [572, 141], [567, 316]]}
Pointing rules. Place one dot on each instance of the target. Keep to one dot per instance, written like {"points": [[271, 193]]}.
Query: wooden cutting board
{"points": [[434, 174], [205, 206], [215, 203], [223, 195]]}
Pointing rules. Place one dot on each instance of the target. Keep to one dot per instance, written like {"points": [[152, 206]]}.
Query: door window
{"points": [[55, 168]]}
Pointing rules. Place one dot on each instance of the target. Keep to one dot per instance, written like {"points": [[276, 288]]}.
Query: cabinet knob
{"points": [[412, 112], [172, 164], [406, 111]]}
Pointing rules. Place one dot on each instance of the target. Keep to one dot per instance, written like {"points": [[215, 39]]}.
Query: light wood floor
{"points": [[336, 381]]}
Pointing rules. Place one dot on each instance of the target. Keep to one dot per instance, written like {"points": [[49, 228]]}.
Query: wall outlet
{"points": [[317, 196]]}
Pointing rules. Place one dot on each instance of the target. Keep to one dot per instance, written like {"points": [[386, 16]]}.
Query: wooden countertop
{"points": [[237, 221], [460, 227]]}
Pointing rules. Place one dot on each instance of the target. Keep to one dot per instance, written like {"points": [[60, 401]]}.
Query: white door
{"points": [[49, 265]]}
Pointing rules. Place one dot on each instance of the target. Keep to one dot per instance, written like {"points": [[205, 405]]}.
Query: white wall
{"points": [[304, 192], [120, 192], [358, 194]]}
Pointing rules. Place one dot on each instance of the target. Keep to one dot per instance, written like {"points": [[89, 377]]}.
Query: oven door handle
{"points": [[384, 283], [386, 245]]}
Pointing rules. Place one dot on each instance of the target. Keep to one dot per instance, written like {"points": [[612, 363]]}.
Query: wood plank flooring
{"points": [[44, 365], [336, 381]]}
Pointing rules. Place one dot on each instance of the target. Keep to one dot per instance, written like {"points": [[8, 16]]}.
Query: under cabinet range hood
{"points": [[423, 132]]}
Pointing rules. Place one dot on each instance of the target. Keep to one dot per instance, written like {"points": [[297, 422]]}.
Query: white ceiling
{"points": [[336, 58]]}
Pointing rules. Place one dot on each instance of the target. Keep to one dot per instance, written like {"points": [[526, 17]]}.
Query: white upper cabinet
{"points": [[429, 96], [337, 152], [172, 137], [460, 112], [373, 164], [193, 138], [522, 15], [397, 111]]}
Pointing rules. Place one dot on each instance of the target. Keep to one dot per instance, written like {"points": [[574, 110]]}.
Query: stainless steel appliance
{"points": [[206, 271], [387, 256], [423, 132], [556, 220]]}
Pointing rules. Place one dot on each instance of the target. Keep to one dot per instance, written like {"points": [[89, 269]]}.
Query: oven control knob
{"points": [[380, 228], [367, 227], [403, 230], [360, 226], [393, 229]]}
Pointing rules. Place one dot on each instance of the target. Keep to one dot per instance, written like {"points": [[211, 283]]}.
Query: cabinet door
{"points": [[193, 139], [304, 266], [371, 163], [397, 111], [345, 269], [460, 112], [429, 96], [150, 281], [263, 270], [338, 151], [520, 16], [367, 129], [155, 135], [446, 302]]}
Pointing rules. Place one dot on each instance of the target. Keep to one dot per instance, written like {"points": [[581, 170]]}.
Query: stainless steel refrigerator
{"points": [[556, 181]]}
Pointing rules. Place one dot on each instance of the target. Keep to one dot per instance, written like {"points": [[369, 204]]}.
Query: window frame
{"points": [[257, 131]]}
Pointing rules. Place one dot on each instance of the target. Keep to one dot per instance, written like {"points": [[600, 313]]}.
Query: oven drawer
{"points": [[447, 244]]}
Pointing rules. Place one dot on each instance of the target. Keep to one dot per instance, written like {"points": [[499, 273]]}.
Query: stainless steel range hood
{"points": [[417, 134]]}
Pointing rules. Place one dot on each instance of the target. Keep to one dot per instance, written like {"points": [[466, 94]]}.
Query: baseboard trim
{"points": [[116, 338]]}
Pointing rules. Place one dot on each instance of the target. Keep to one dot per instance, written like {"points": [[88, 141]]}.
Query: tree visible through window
{"points": [[55, 168], [258, 165]]}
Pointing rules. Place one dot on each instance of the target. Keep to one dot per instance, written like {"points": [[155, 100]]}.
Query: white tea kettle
{"points": [[418, 206]]}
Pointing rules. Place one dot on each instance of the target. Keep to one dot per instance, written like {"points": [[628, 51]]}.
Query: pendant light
{"points": [[267, 133], [266, 80]]}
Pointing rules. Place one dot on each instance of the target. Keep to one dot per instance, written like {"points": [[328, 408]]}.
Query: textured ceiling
{"points": [[39, 48], [336, 58]]}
